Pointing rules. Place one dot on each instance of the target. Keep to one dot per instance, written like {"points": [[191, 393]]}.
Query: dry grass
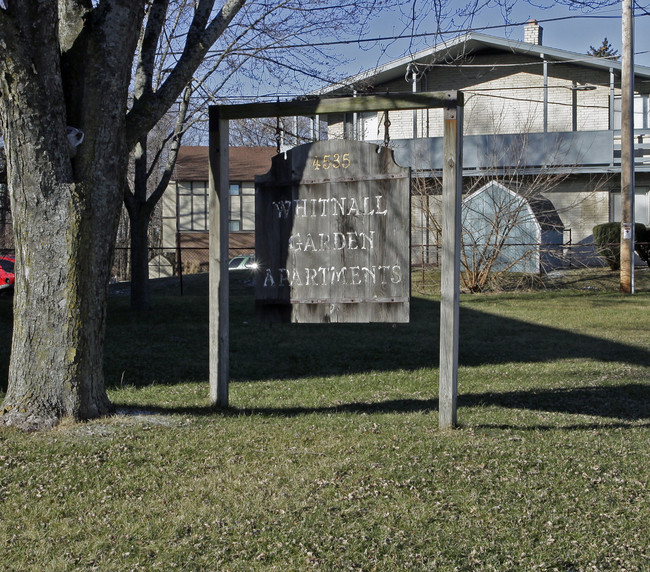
{"points": [[331, 457]]}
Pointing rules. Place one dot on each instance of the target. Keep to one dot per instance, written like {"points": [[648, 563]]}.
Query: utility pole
{"points": [[627, 150]]}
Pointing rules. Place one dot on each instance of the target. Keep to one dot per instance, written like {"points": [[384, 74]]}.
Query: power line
{"points": [[313, 75], [567, 104], [428, 66], [488, 92], [412, 36], [429, 34]]}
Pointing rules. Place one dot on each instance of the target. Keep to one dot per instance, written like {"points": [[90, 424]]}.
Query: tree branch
{"points": [[147, 53], [147, 111], [179, 130], [72, 17]]}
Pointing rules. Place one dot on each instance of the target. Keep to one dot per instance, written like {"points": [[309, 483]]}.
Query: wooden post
{"points": [[219, 212], [627, 152], [452, 178]]}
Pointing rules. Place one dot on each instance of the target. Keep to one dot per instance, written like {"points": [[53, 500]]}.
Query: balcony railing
{"points": [[571, 151], [641, 147]]}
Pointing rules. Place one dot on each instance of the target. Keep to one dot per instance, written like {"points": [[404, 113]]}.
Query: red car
{"points": [[6, 273]]}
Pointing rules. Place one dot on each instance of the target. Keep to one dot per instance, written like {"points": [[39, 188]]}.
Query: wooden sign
{"points": [[332, 235]]}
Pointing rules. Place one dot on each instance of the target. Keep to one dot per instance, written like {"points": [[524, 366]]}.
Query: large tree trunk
{"points": [[139, 214], [68, 63], [65, 209], [139, 224], [63, 250]]}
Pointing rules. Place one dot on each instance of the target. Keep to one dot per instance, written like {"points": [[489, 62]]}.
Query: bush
{"points": [[608, 241], [642, 243]]}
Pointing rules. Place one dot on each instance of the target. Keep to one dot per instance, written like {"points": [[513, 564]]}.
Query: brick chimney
{"points": [[533, 33]]}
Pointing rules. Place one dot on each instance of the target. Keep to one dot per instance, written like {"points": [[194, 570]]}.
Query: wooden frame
{"points": [[220, 115]]}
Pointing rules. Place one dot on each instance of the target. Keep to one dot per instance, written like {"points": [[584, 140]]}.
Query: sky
{"points": [[566, 29], [571, 30]]}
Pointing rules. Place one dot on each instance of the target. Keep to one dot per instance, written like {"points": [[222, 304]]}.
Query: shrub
{"points": [[608, 241], [642, 242]]}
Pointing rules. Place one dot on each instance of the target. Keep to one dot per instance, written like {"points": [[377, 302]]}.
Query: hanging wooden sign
{"points": [[332, 235]]}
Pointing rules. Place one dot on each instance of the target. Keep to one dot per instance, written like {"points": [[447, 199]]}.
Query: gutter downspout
{"points": [[611, 98], [425, 87], [545, 93], [355, 121]]}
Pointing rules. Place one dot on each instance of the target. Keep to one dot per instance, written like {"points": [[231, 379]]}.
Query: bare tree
{"points": [[493, 238], [285, 132], [69, 63], [253, 47]]}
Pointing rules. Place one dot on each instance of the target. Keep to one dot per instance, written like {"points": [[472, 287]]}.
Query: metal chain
{"points": [[386, 129], [278, 136]]}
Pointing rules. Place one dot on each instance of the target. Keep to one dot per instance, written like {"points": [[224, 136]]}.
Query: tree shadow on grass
{"points": [[628, 402], [292, 351], [170, 346], [624, 403]]}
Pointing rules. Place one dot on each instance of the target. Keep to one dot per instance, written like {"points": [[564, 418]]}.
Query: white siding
{"points": [[503, 94]]}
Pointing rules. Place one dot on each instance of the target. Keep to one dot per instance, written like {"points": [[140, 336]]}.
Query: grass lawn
{"points": [[330, 456]]}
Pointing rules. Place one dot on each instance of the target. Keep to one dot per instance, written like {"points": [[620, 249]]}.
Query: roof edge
{"points": [[474, 41]]}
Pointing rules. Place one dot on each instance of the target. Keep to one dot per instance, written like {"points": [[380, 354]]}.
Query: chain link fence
{"points": [[425, 261], [174, 263], [169, 262]]}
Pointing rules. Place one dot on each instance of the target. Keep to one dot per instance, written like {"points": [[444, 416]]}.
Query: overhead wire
{"points": [[455, 32], [413, 35]]}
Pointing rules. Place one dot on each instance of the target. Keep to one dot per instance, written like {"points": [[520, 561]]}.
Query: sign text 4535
{"points": [[333, 161]]}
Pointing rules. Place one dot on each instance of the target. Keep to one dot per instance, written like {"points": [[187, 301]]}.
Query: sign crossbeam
{"points": [[317, 106], [220, 115]]}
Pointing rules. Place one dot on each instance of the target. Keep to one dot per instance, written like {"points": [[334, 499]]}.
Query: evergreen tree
{"points": [[604, 51]]}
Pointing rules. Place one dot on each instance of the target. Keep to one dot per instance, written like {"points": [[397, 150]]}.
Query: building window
{"points": [[641, 111], [641, 206], [242, 207], [192, 201], [192, 204]]}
